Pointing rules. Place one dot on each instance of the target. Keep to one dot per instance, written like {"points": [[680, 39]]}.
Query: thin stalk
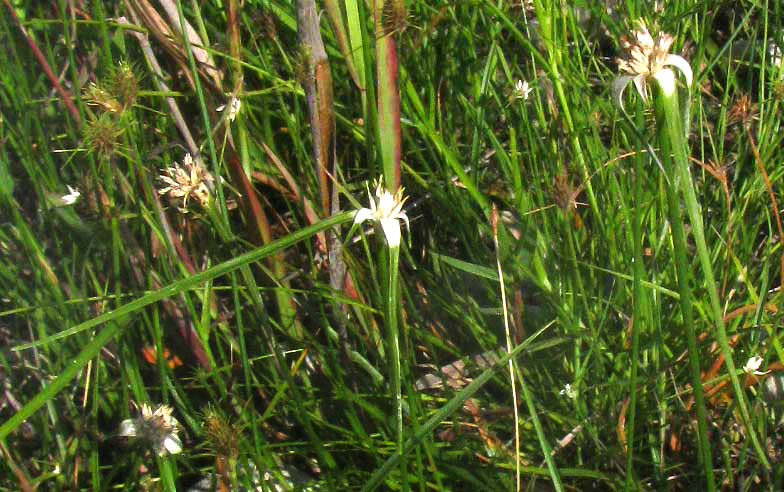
{"points": [[675, 134], [639, 300], [769, 186], [336, 18], [450, 408], [105, 335], [667, 115], [494, 219], [393, 352], [67, 98]]}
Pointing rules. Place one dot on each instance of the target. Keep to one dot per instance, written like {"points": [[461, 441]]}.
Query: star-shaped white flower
{"points": [[186, 180], [646, 59], [568, 391], [752, 366], [234, 108], [522, 90], [386, 209], [71, 197], [157, 427]]}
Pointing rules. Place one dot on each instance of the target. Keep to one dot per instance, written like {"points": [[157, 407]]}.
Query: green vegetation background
{"points": [[228, 313]]}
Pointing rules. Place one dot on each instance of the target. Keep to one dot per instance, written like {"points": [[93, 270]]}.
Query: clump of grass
{"points": [[624, 315]]}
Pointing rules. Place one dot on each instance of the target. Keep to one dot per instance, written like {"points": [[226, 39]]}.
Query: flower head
{"points": [[157, 427], [752, 366], [521, 90], [568, 391], [188, 179], [71, 197], [386, 209], [234, 108], [648, 58]]}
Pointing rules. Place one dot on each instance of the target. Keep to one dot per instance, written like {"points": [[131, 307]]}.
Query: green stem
{"points": [[667, 117], [388, 74], [106, 334], [639, 322], [393, 352], [674, 132]]}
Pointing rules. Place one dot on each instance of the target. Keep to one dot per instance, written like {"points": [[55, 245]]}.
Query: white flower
{"points": [[775, 54], [234, 108], [387, 210], [568, 391], [71, 197], [157, 427], [522, 90], [752, 366], [185, 180], [648, 58]]}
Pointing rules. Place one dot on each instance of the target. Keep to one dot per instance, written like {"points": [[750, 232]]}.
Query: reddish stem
{"points": [[45, 65]]}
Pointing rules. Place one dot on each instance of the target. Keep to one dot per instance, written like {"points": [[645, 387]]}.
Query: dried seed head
{"points": [[221, 434], [394, 17], [778, 91], [97, 95], [564, 192], [743, 111], [117, 92], [125, 84], [102, 135]]}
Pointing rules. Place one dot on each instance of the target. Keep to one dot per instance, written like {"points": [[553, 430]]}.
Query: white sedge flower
{"points": [[521, 90], [568, 391], [752, 366], [648, 58], [157, 427], [775, 54], [387, 210], [234, 108], [71, 197], [188, 179]]}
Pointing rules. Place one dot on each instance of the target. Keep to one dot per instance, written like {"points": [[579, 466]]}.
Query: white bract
{"points": [[71, 197], [186, 180], [568, 391], [386, 209], [234, 108], [522, 90], [648, 58], [157, 427], [752, 366]]}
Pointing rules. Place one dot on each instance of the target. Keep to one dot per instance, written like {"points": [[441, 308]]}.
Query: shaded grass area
{"points": [[232, 309]]}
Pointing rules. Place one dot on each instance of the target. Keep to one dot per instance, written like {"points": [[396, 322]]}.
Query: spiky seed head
{"points": [[102, 135]]}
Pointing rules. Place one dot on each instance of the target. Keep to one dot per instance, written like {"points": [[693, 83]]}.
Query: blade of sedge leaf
{"points": [[339, 25], [355, 40], [106, 334], [387, 73]]}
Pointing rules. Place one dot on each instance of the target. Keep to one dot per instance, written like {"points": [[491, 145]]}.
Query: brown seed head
{"points": [[743, 111], [125, 84]]}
